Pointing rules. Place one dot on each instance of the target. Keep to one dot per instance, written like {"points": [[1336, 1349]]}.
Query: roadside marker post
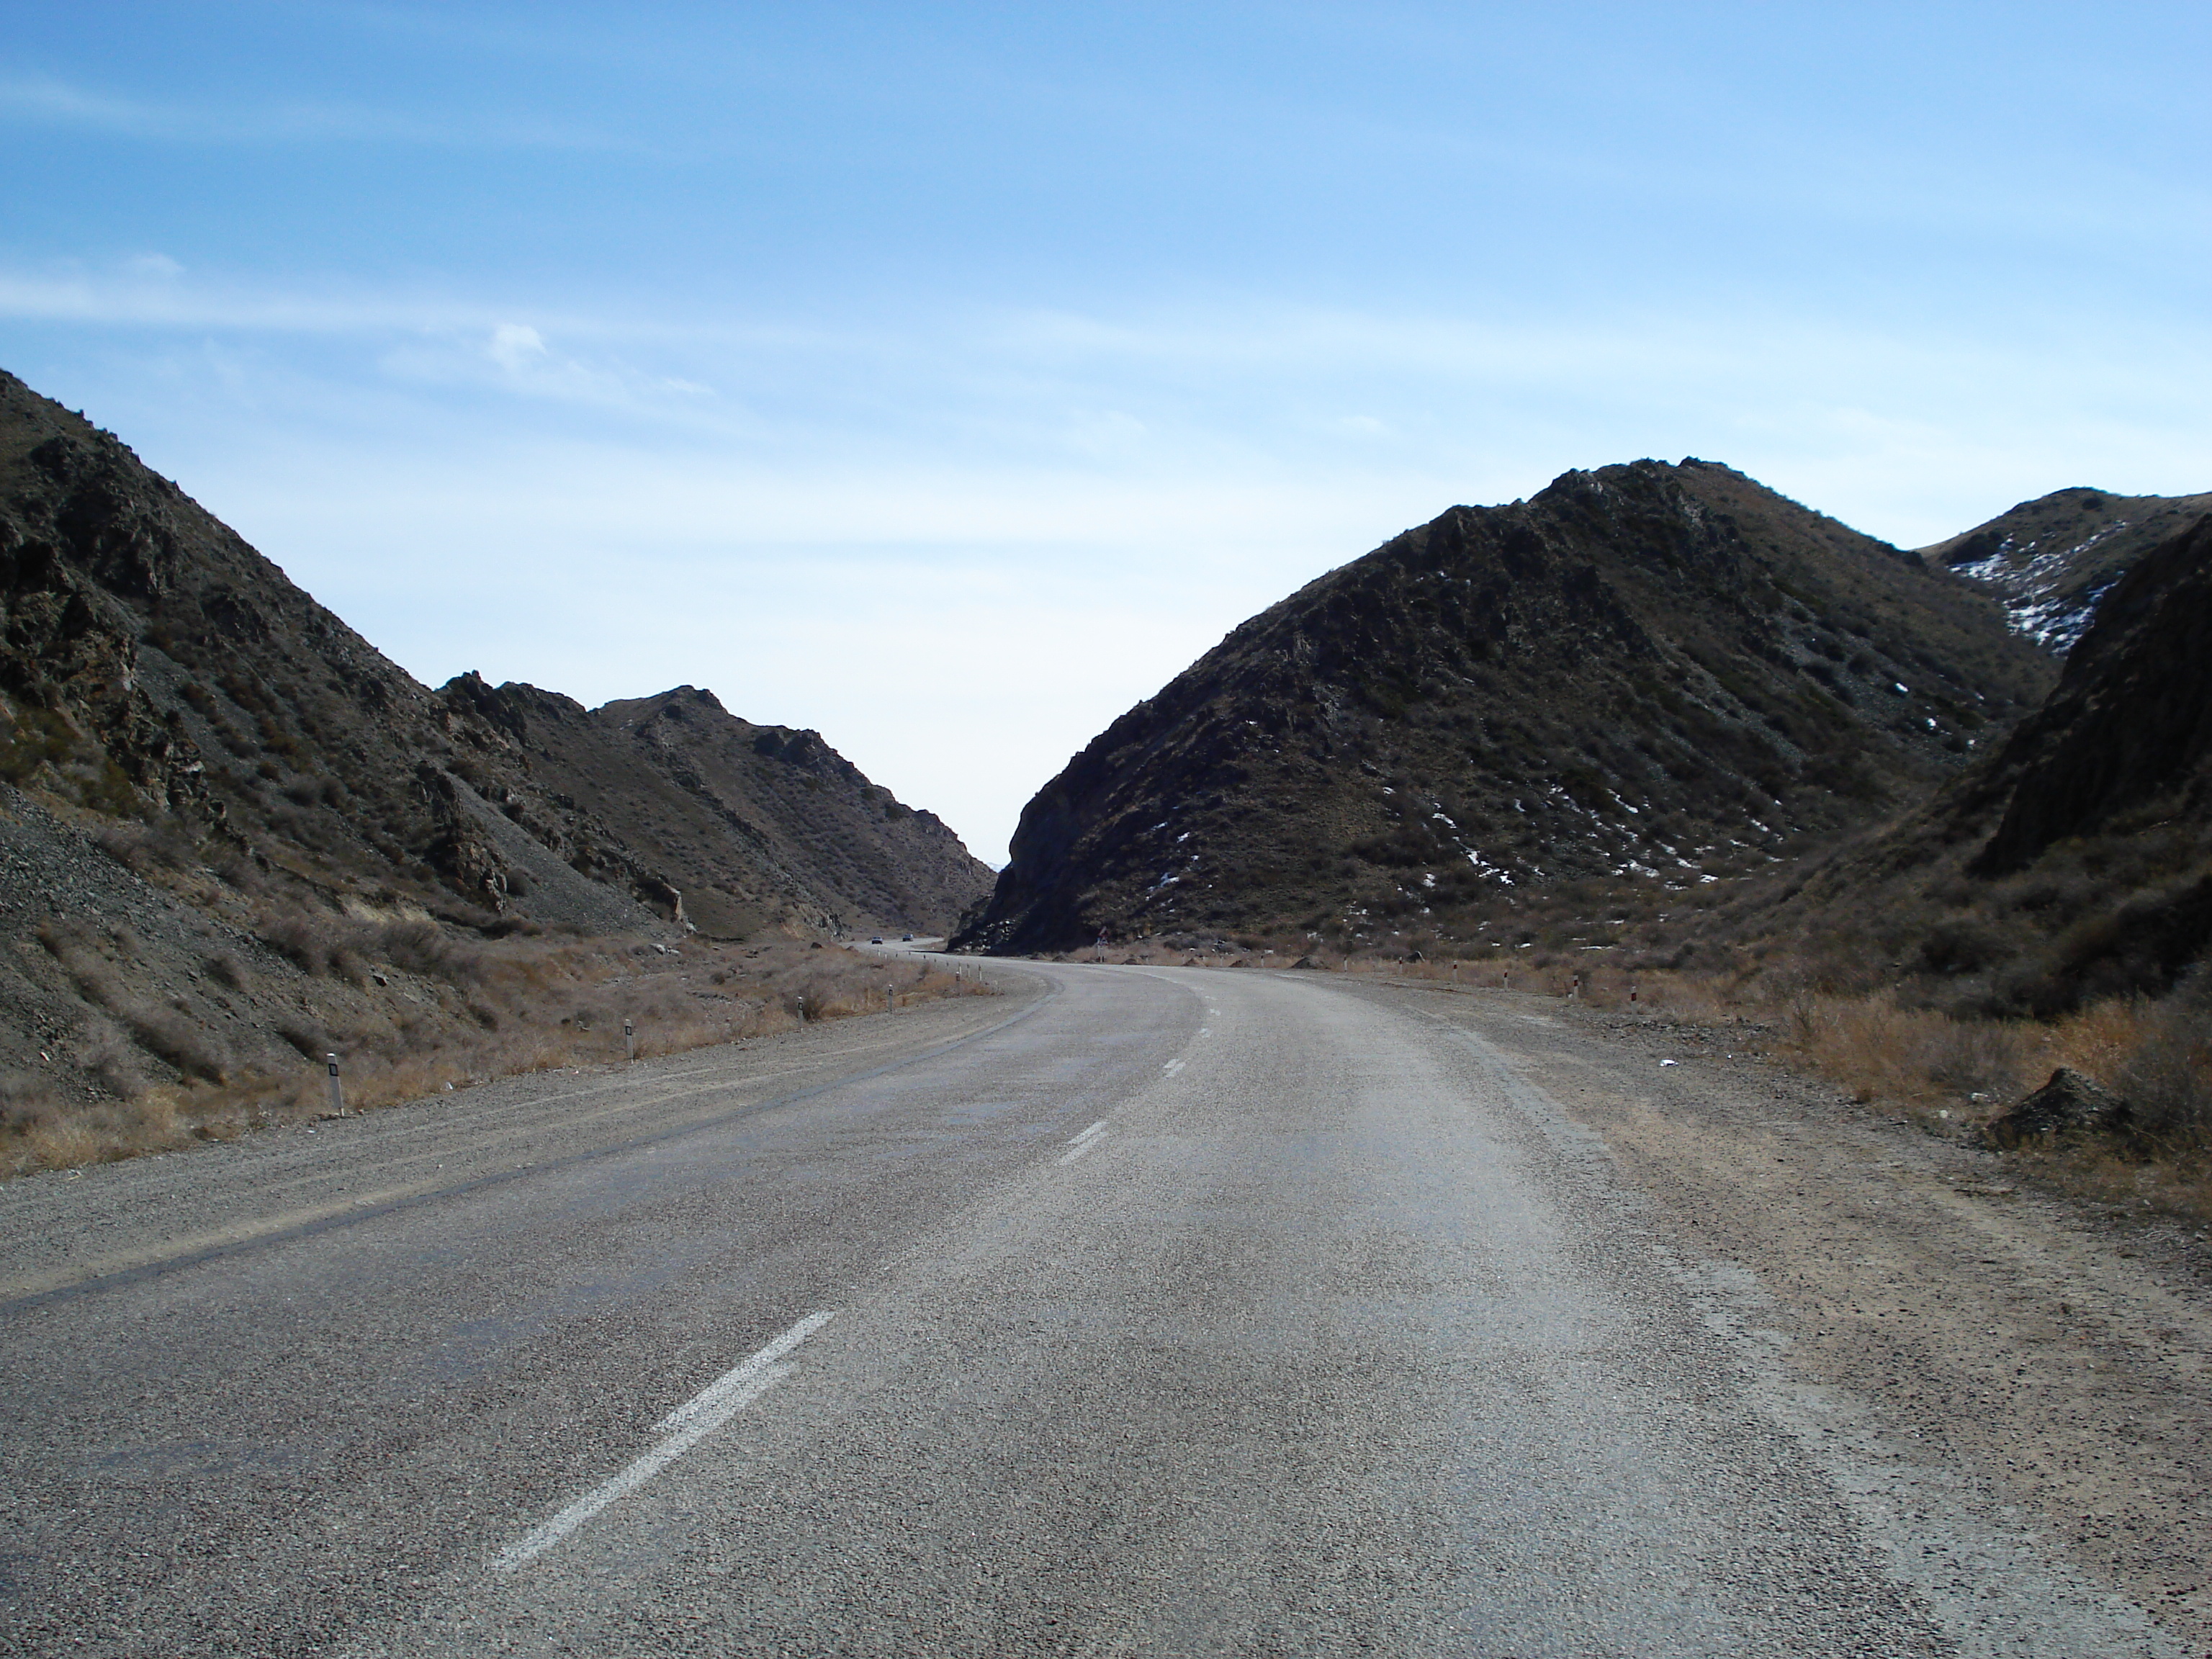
{"points": [[891, 1000], [336, 1088], [629, 1040], [802, 1011]]}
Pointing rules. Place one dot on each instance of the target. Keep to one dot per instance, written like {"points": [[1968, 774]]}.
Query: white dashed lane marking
{"points": [[1083, 1142], [684, 1427]]}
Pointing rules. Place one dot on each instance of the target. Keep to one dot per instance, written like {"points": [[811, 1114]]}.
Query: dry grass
{"points": [[413, 1009]]}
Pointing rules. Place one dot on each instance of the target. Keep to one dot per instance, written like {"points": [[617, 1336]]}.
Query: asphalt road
{"points": [[1164, 1312]]}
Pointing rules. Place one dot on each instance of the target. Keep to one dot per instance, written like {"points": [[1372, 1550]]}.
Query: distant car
{"points": [[876, 938], [905, 938]]}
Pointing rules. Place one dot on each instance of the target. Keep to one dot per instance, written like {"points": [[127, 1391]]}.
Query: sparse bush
{"points": [[106, 1055], [26, 1100], [406, 1051], [33, 738], [227, 970], [312, 1041], [424, 948], [304, 939], [170, 1037], [142, 849]]}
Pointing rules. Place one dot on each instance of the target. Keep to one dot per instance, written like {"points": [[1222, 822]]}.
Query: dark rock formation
{"points": [[2069, 1104], [2130, 726], [1648, 673], [2075, 861], [755, 825]]}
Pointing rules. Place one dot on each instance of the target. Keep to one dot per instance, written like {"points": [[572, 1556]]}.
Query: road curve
{"points": [[1171, 1312]]}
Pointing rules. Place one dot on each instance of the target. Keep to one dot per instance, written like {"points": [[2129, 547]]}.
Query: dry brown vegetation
{"points": [[410, 1009]]}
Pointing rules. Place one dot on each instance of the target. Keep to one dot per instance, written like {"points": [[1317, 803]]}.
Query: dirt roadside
{"points": [[2060, 1359]]}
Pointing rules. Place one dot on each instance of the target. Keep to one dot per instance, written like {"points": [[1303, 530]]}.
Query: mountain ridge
{"points": [[1647, 671], [2053, 558]]}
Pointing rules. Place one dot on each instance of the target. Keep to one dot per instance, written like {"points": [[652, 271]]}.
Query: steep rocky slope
{"points": [[2051, 559], [754, 823], [1648, 673], [195, 753], [2072, 863]]}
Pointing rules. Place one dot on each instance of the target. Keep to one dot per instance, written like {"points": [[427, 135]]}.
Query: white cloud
{"points": [[517, 348]]}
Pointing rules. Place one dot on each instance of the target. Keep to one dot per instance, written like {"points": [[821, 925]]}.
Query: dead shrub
{"points": [[63, 940], [2166, 1073], [425, 948], [26, 1100], [107, 1056], [144, 849], [529, 1004], [170, 1037], [312, 1041], [1877, 1049], [304, 939], [226, 971]]}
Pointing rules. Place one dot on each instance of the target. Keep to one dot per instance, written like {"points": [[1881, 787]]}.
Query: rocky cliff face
{"points": [[1647, 673], [2051, 560]]}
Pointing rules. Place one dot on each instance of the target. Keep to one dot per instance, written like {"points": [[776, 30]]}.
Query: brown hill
{"points": [[1649, 674], [204, 758], [2051, 559]]}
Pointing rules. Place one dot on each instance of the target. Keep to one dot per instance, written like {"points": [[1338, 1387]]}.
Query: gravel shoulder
{"points": [[65, 1229], [2058, 1359]]}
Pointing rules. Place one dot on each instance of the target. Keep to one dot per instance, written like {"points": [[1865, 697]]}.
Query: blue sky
{"points": [[945, 378]]}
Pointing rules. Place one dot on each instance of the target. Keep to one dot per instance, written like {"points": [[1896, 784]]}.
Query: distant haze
{"points": [[947, 379]]}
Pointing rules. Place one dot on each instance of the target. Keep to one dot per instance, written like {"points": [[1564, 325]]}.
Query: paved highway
{"points": [[1141, 1311]]}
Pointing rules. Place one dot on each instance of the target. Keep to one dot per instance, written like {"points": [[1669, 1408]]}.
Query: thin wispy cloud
{"points": [[55, 103]]}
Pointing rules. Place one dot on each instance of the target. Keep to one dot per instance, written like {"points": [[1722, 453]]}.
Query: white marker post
{"points": [[629, 1040], [337, 1089]]}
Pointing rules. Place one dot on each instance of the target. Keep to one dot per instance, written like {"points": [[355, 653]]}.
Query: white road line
{"points": [[685, 1427], [1173, 1066], [1080, 1147], [1097, 1128]]}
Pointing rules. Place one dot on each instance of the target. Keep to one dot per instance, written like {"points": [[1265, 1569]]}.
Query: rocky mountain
{"points": [[233, 834], [755, 825], [2053, 558], [2072, 863], [1654, 674], [152, 664]]}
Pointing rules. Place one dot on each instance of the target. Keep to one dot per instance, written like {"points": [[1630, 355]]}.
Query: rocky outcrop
{"points": [[2070, 1103], [757, 825]]}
